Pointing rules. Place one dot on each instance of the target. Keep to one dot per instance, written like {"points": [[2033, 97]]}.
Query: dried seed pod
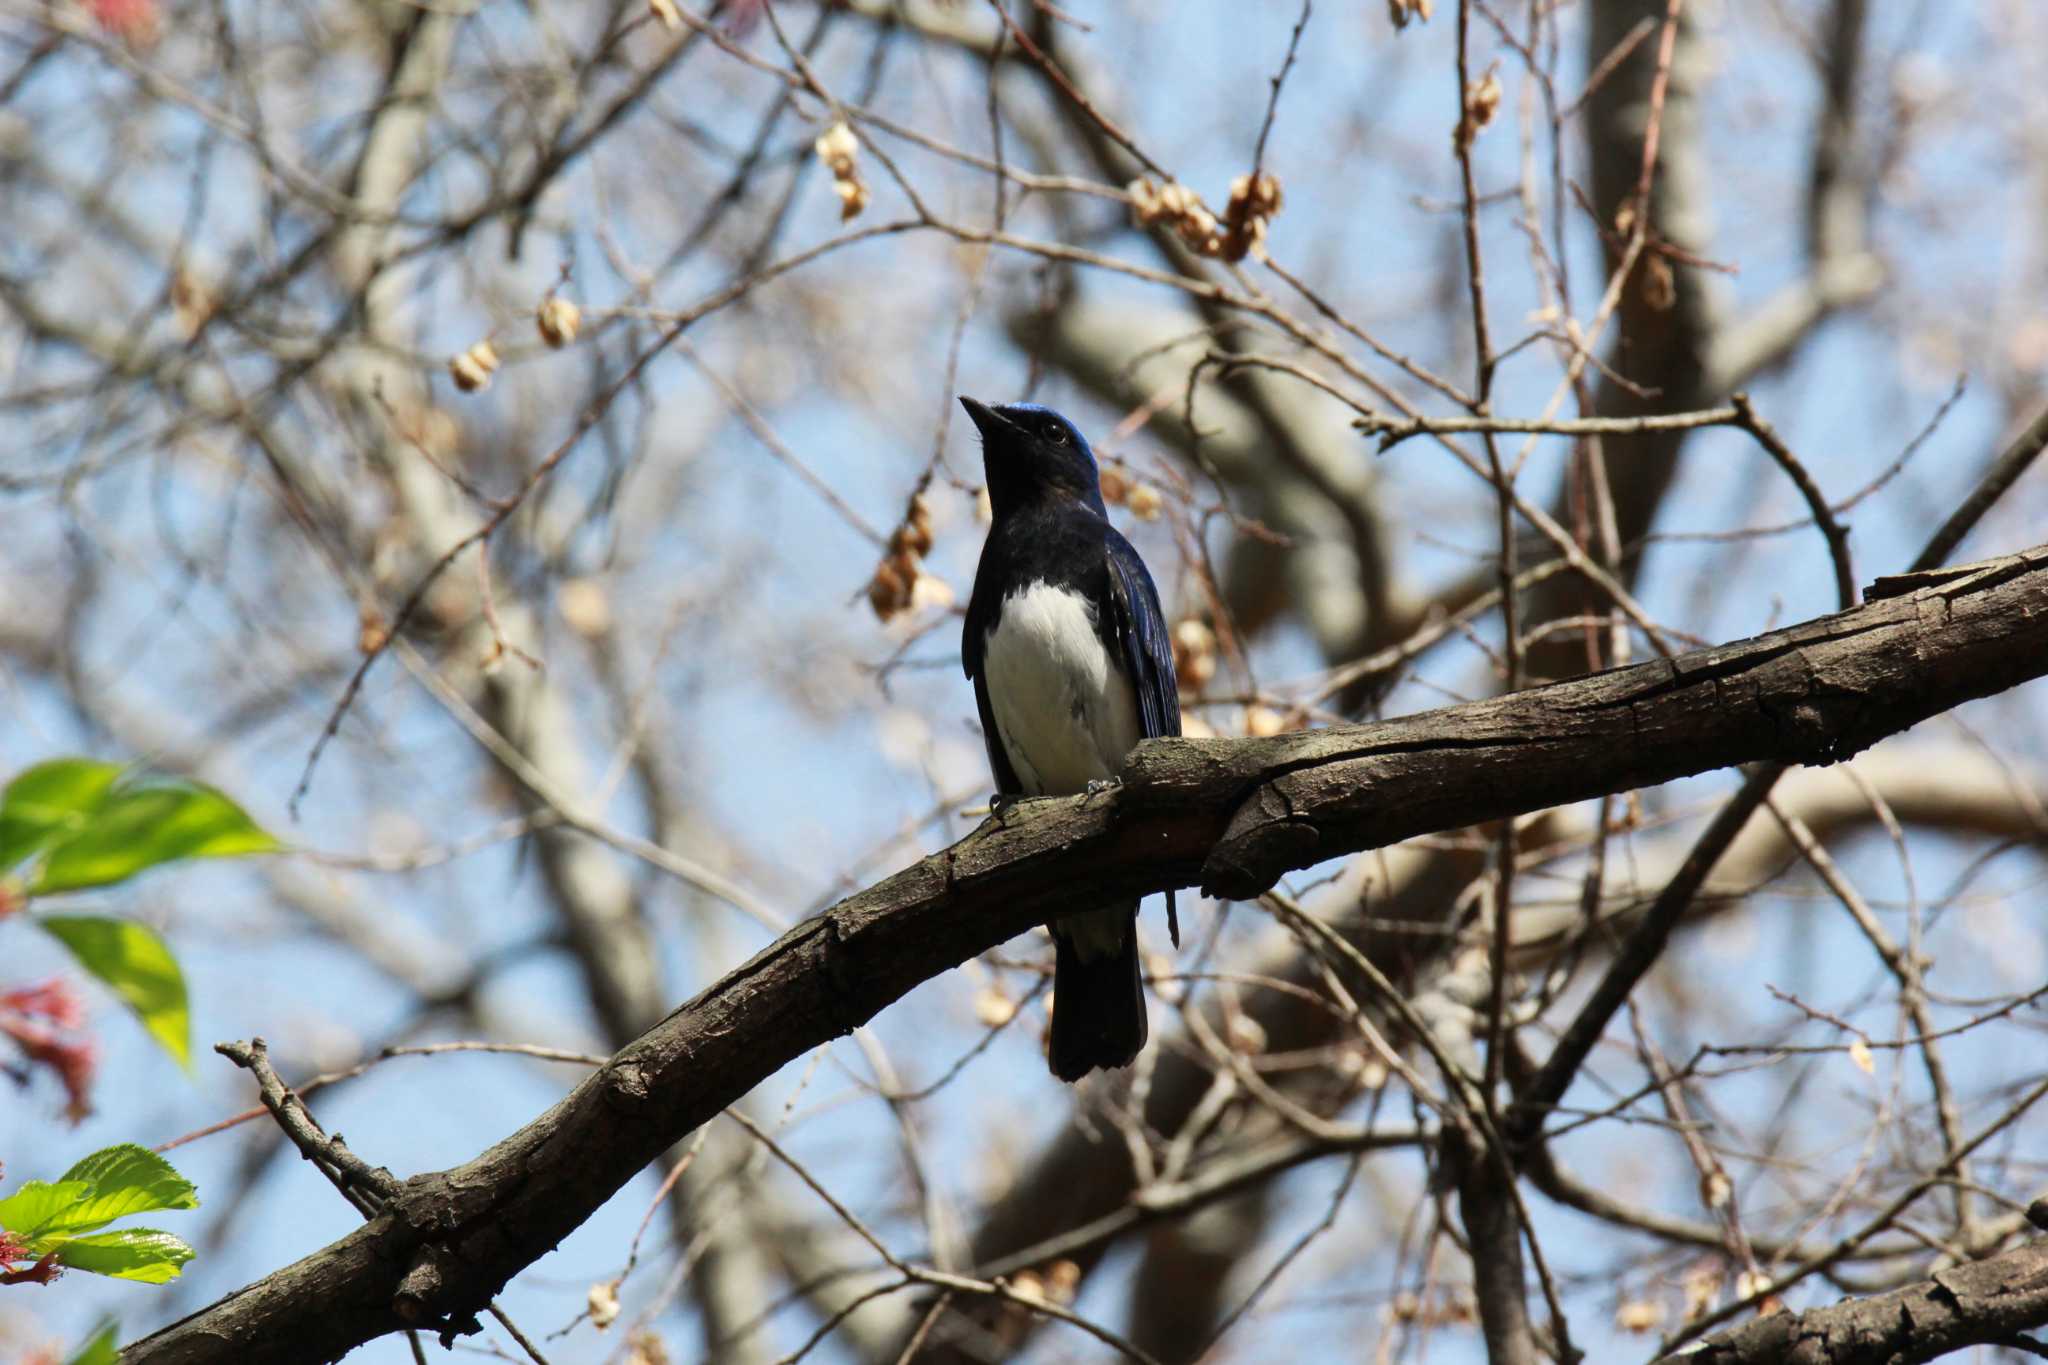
{"points": [[837, 147], [1146, 205], [1116, 485], [929, 590], [1263, 722], [1198, 229], [1659, 284], [558, 320], [1401, 11], [1194, 654], [472, 370], [1639, 1316], [1144, 502], [643, 1347], [919, 520], [1482, 102], [888, 591], [585, 607], [853, 197], [1245, 1035], [604, 1305], [191, 302], [1254, 199]]}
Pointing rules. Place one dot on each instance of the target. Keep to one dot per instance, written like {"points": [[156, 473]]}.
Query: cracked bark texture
{"points": [[1187, 810], [1984, 1303]]}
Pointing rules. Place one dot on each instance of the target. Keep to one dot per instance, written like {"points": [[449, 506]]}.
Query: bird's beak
{"points": [[986, 418]]}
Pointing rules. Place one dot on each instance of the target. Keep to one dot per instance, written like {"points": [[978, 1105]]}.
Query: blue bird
{"points": [[1068, 651]]}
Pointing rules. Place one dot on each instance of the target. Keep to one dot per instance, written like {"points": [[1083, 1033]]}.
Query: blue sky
{"points": [[765, 709]]}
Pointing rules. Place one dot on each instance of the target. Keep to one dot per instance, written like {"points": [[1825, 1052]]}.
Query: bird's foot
{"points": [[1001, 804], [1100, 785]]}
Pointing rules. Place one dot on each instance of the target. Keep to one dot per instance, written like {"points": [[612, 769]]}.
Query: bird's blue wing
{"points": [[1139, 629], [1140, 632]]}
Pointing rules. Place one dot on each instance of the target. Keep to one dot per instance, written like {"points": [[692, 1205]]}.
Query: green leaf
{"points": [[137, 964], [143, 1254], [103, 1349], [49, 800], [38, 1203], [136, 828], [113, 1182], [125, 1179]]}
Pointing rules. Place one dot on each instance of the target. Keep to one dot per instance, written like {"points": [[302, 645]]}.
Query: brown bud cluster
{"points": [[1263, 722], [472, 370], [1119, 489], [192, 303], [1194, 655], [1116, 485], [1401, 11], [1752, 1282], [1444, 1308], [1254, 199], [839, 149], [558, 320], [643, 1347], [900, 582], [372, 632], [1056, 1284], [1659, 284], [1639, 1316], [1482, 102], [993, 1008], [1178, 206], [585, 607]]}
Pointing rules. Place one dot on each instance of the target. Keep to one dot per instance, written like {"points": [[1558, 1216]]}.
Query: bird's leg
{"points": [[1097, 786], [1000, 804]]}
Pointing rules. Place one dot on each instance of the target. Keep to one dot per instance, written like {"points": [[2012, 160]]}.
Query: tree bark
{"points": [[1984, 1303]]}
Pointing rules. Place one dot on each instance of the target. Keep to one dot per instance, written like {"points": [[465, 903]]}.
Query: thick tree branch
{"points": [[1231, 814], [1984, 1303]]}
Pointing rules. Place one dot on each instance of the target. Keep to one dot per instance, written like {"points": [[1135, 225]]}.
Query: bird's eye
{"points": [[1055, 433]]}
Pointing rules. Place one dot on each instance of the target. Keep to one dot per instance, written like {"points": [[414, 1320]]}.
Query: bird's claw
{"points": [[1097, 786]]}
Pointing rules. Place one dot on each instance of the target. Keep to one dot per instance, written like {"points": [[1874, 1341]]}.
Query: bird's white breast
{"points": [[1064, 711]]}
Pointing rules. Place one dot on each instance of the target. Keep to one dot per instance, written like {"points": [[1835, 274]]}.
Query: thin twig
{"points": [[1392, 432], [1837, 539], [1273, 102], [532, 1351], [349, 1172]]}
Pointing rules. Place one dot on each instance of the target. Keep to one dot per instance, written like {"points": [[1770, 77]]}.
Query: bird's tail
{"points": [[1098, 1008]]}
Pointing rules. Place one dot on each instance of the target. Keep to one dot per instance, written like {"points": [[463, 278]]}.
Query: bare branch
{"points": [[1815, 692]]}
